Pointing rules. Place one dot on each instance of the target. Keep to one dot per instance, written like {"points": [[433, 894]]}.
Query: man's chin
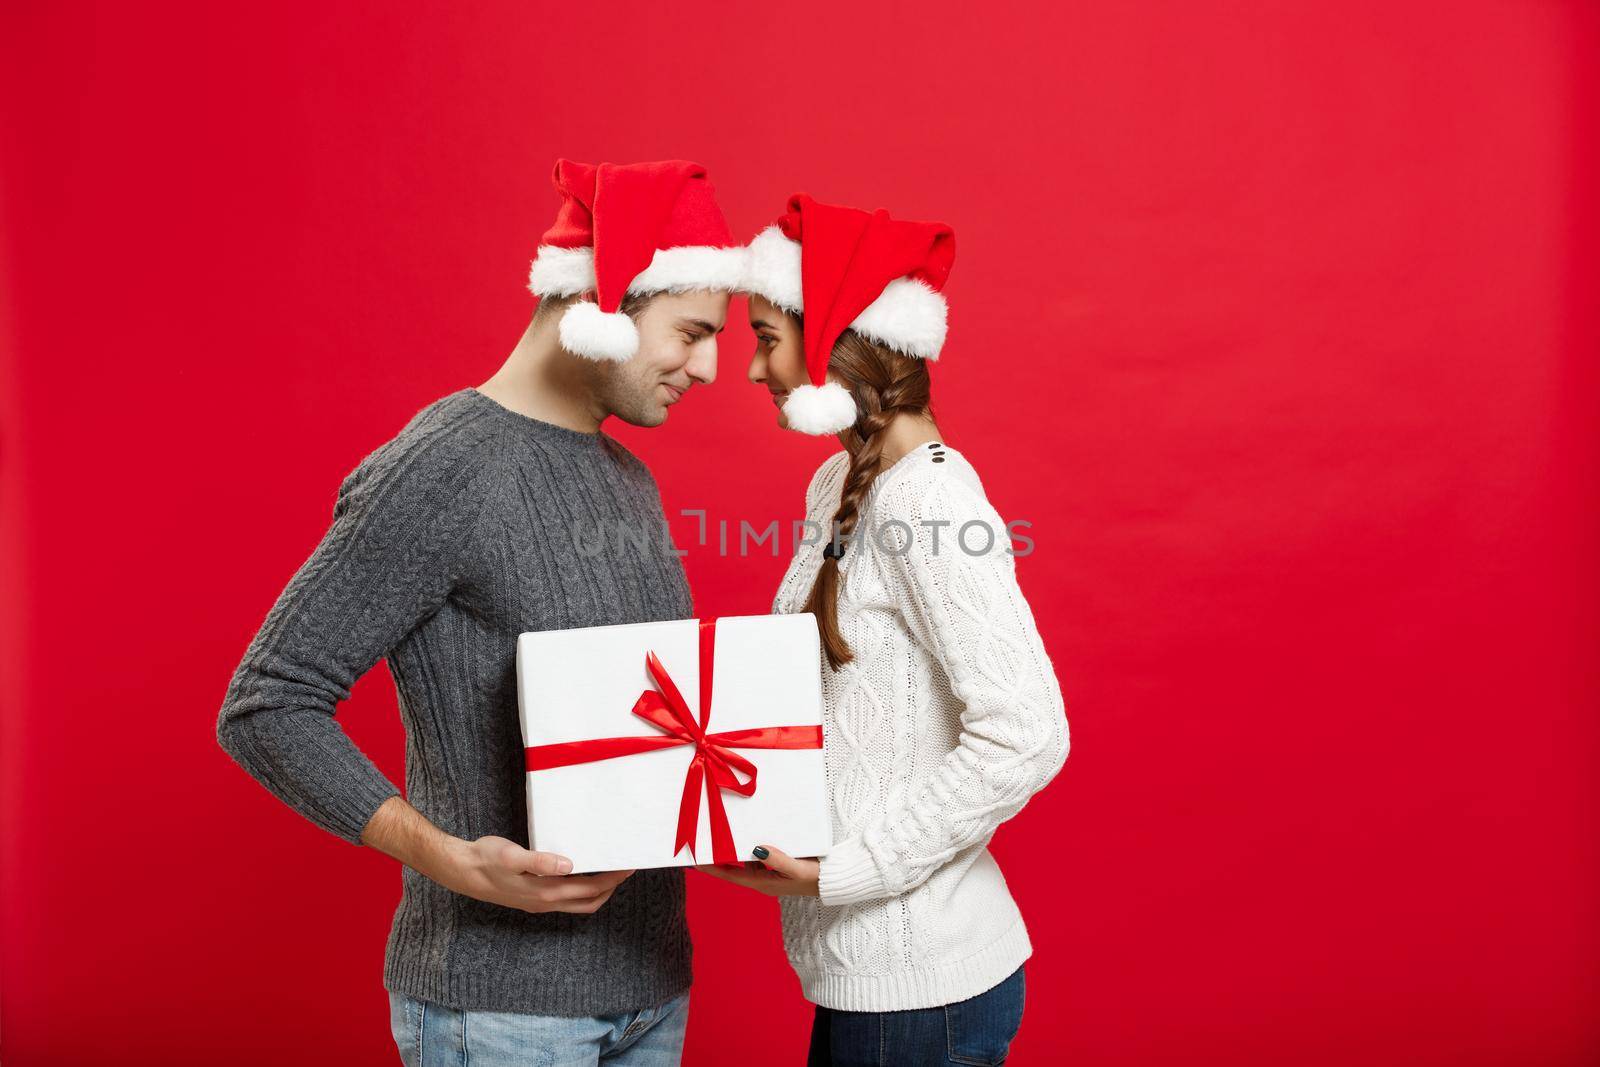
{"points": [[648, 418]]}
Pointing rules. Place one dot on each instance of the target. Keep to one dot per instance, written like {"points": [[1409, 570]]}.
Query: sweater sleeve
{"points": [[388, 561], [967, 610]]}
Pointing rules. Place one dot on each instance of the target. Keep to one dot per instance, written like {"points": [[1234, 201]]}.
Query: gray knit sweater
{"points": [[446, 543]]}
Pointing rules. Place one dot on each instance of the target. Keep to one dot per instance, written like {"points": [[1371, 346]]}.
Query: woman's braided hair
{"points": [[884, 383]]}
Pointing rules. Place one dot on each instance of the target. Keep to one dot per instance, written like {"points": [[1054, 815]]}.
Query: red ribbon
{"points": [[715, 764]]}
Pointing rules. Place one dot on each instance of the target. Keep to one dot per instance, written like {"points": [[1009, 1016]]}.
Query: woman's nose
{"points": [[758, 368]]}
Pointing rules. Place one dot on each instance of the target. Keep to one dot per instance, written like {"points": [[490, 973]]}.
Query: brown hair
{"points": [[884, 383], [633, 304]]}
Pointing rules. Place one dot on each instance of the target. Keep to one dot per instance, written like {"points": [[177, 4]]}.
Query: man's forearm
{"points": [[399, 830], [491, 869]]}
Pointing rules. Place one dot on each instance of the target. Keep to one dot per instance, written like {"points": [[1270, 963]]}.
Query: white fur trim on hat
{"points": [[677, 270], [773, 270], [561, 271], [594, 334], [820, 409], [570, 271], [909, 316]]}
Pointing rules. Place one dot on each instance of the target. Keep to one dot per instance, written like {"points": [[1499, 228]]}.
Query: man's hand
{"points": [[491, 869], [779, 875], [503, 872]]}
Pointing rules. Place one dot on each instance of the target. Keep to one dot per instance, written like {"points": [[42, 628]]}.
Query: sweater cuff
{"points": [[847, 874], [360, 810]]}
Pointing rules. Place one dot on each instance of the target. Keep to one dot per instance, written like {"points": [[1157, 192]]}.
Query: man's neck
{"points": [[541, 380]]}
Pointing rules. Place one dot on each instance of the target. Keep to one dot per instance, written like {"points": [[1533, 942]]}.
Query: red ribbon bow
{"points": [[715, 764]]}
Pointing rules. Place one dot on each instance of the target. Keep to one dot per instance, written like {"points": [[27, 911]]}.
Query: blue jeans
{"points": [[974, 1031], [431, 1035]]}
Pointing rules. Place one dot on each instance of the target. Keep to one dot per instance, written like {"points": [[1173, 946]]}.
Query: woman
{"points": [[941, 711]]}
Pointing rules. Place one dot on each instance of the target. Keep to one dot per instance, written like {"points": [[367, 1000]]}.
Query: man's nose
{"points": [[702, 365]]}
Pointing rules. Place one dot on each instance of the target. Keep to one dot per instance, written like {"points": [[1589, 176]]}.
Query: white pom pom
{"points": [[594, 334], [820, 409]]}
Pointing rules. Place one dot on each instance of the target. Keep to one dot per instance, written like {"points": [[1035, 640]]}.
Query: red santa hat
{"points": [[630, 228], [851, 269]]}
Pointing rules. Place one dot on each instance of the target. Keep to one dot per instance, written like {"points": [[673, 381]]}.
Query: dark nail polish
{"points": [[760, 852]]}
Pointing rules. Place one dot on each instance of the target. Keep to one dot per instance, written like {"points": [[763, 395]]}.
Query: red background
{"points": [[1277, 320]]}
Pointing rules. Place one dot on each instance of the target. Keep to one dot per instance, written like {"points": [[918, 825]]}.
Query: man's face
{"points": [[677, 348]]}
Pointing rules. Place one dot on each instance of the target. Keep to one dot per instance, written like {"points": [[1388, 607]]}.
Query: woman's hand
{"points": [[780, 875]]}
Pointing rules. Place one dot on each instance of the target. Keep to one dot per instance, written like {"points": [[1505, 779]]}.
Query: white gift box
{"points": [[622, 812]]}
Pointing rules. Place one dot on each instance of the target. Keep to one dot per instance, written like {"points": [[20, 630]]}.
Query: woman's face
{"points": [[779, 362]]}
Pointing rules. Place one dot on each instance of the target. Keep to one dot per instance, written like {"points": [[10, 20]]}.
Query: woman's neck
{"points": [[904, 433]]}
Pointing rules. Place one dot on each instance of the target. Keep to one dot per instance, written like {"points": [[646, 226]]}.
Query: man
{"points": [[446, 543]]}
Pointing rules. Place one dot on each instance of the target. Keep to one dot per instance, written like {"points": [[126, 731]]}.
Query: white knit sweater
{"points": [[948, 719]]}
